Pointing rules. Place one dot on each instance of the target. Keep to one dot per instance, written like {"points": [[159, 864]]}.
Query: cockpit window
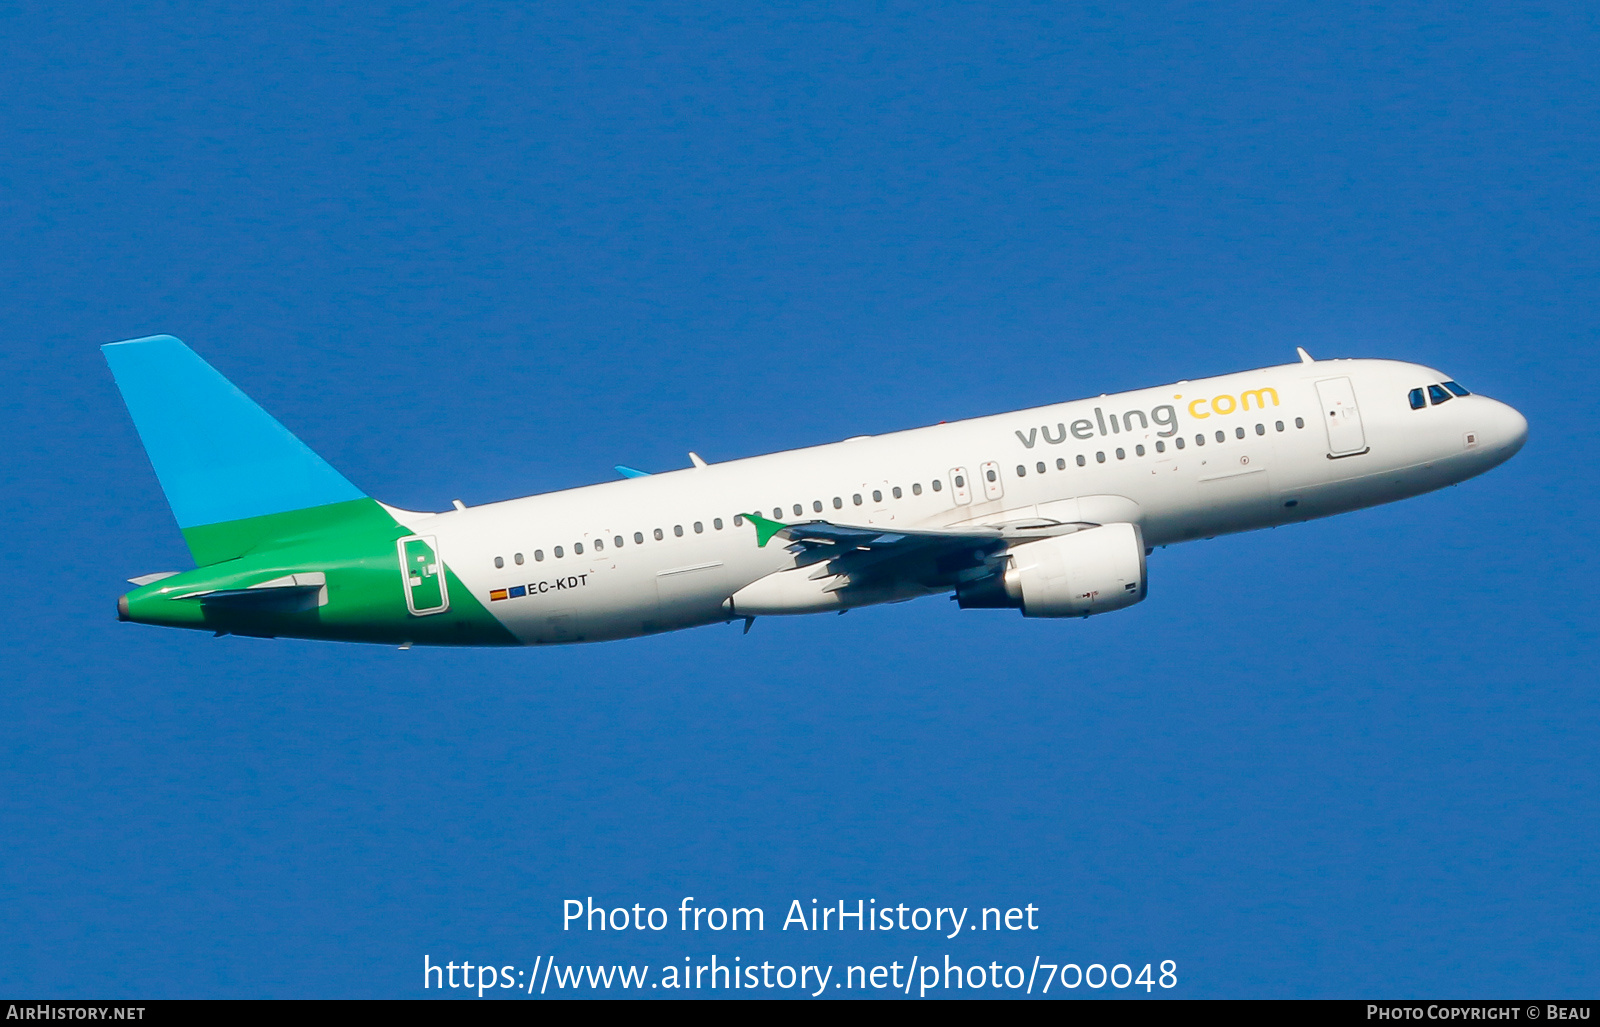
{"points": [[1458, 390], [1438, 395], [1417, 402]]}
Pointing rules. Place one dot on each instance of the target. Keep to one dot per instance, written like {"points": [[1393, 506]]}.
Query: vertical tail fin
{"points": [[230, 471]]}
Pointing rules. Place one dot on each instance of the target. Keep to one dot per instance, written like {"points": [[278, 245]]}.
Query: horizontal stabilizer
{"points": [[284, 600], [292, 593]]}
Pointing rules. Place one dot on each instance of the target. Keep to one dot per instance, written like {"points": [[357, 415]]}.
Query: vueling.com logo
{"points": [[1164, 416], [1226, 404]]}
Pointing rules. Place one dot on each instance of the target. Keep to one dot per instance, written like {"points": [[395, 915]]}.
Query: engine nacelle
{"points": [[1091, 571]]}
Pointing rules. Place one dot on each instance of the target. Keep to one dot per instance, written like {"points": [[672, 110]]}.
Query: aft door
{"points": [[423, 575], [1342, 418]]}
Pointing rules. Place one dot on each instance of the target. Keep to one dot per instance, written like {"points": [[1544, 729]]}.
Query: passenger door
{"points": [[1340, 414]]}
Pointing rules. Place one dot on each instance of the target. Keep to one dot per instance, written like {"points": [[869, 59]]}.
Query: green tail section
{"points": [[359, 590]]}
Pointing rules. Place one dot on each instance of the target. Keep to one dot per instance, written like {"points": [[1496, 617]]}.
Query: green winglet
{"points": [[765, 529]]}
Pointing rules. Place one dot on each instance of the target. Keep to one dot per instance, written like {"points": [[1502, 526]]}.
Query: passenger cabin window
{"points": [[559, 553], [1061, 463], [677, 529], [1022, 472], [1279, 425], [992, 475], [517, 559], [1100, 458], [856, 499], [699, 528], [538, 556], [1081, 460], [1138, 451], [1414, 397], [961, 481], [838, 504], [897, 493], [1178, 442], [1299, 422], [716, 522], [1261, 429], [1238, 432], [937, 485], [617, 541], [1122, 454], [877, 495], [1161, 447], [499, 562], [1199, 440], [916, 488], [798, 509], [777, 515], [1222, 436], [577, 549], [638, 538], [1458, 390], [1039, 467], [1438, 395], [659, 536], [599, 544]]}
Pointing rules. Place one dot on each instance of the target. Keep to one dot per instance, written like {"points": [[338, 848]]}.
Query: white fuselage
{"points": [[1191, 460]]}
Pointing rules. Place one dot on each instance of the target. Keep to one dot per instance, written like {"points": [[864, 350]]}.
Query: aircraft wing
{"points": [[931, 557]]}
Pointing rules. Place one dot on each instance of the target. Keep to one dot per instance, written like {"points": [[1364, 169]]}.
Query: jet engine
{"points": [[1091, 571]]}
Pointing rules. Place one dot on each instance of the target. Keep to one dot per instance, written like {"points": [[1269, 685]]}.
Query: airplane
{"points": [[1051, 511]]}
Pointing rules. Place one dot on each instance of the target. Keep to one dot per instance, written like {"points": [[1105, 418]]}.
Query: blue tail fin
{"points": [[219, 456]]}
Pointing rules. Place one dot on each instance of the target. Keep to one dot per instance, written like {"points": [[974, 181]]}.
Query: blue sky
{"points": [[478, 252]]}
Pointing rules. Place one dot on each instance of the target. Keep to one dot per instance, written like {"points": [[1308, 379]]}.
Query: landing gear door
{"points": [[422, 576], [1346, 437], [960, 486]]}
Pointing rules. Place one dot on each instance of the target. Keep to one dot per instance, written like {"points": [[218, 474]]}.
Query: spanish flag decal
{"points": [[498, 593]]}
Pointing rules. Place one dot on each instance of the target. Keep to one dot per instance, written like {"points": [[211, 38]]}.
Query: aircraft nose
{"points": [[1508, 428]]}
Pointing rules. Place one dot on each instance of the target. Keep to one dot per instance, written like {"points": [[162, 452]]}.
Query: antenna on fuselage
{"points": [[1305, 358]]}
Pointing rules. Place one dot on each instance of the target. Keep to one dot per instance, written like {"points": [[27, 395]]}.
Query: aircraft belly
{"points": [[584, 602], [627, 599]]}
